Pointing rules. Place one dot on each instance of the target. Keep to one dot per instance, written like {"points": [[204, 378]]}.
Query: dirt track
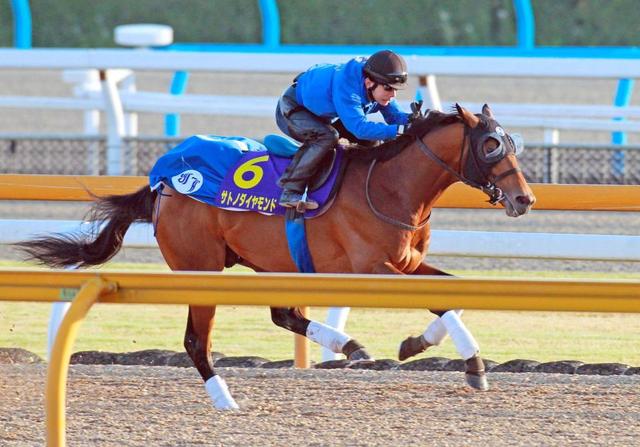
{"points": [[159, 406]]}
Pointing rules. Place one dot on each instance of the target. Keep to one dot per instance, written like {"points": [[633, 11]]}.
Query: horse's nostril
{"points": [[524, 200]]}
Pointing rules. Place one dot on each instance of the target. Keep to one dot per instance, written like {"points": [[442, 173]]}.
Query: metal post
{"points": [[428, 91], [115, 125], [178, 87], [270, 23], [128, 84], [622, 99], [551, 169], [525, 24], [301, 345], [21, 23]]}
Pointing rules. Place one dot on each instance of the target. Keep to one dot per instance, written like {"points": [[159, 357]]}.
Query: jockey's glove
{"points": [[402, 129], [416, 113], [407, 129]]}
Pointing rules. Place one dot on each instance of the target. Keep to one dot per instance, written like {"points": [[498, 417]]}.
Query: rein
{"points": [[388, 219]]}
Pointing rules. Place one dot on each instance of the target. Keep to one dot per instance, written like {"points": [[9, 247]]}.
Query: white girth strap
{"points": [[465, 344], [327, 336]]}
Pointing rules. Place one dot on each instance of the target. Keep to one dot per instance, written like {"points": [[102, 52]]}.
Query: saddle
{"points": [[286, 147]]}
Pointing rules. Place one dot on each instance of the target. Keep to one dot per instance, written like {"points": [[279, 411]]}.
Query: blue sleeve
{"points": [[348, 104], [393, 114]]}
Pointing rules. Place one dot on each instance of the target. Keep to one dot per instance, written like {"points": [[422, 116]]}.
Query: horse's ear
{"points": [[469, 118], [486, 110]]}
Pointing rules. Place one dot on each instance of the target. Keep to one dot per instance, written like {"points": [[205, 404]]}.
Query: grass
{"points": [[241, 330]]}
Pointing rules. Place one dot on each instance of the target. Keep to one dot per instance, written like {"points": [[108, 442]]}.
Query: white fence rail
{"points": [[116, 94], [561, 117], [593, 247], [266, 62]]}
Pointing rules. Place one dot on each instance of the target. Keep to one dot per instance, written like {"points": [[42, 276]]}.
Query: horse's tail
{"points": [[111, 217]]}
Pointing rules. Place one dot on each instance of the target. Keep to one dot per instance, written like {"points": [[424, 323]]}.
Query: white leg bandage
{"points": [[219, 393], [327, 336], [336, 318], [436, 332], [465, 344]]}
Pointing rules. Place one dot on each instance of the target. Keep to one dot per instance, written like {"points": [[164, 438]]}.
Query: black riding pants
{"points": [[317, 136]]}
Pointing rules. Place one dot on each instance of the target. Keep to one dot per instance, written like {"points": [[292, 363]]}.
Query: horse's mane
{"points": [[420, 127]]}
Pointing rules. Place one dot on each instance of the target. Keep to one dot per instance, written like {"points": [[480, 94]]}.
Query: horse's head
{"points": [[490, 162]]}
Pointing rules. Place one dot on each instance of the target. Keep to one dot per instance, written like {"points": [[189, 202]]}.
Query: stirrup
{"points": [[299, 201], [289, 199], [304, 205]]}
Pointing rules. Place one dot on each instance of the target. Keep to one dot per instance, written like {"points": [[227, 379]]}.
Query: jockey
{"points": [[328, 102]]}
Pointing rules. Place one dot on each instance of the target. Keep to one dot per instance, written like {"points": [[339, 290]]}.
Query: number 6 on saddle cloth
{"points": [[240, 174]]}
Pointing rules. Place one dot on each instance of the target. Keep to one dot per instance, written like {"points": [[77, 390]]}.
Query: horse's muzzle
{"points": [[518, 205]]}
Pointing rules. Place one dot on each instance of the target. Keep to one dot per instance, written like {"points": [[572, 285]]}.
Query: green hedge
{"points": [[81, 23], [428, 22], [587, 22]]}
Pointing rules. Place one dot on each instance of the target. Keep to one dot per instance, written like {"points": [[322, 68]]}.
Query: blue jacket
{"points": [[338, 91]]}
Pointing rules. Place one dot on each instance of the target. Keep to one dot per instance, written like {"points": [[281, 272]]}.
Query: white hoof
{"points": [[220, 395]]}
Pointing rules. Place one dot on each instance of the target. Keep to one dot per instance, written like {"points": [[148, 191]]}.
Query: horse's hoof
{"points": [[412, 346], [360, 355], [355, 352], [478, 382], [475, 375]]}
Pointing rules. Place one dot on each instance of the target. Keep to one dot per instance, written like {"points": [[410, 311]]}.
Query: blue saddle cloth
{"points": [[239, 173], [197, 166], [235, 173]]}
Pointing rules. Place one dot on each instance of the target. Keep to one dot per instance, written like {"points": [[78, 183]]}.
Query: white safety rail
{"points": [[265, 62], [590, 247], [561, 117], [117, 96]]}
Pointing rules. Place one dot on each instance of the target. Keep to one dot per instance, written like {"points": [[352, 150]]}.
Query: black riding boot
{"points": [[298, 174]]}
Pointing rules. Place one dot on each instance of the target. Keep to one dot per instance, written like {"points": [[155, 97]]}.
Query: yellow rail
{"points": [[550, 197], [289, 290], [61, 354]]}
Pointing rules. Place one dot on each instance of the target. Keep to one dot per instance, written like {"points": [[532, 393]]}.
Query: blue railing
{"points": [[21, 23]]}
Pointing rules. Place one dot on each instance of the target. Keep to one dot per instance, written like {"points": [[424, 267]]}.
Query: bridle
{"points": [[490, 188]]}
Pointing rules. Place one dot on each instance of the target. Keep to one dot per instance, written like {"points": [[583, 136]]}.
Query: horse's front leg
{"points": [[197, 342], [337, 341], [448, 322], [435, 332]]}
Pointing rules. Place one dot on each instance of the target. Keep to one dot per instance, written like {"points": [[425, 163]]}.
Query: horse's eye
{"points": [[491, 145]]}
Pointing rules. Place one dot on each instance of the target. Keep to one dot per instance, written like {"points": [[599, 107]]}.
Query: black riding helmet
{"points": [[388, 68]]}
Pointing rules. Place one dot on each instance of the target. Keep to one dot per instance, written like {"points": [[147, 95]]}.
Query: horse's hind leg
{"points": [[196, 250], [448, 322], [197, 342], [337, 341]]}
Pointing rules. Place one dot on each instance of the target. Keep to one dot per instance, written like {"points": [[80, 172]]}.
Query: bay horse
{"points": [[378, 223]]}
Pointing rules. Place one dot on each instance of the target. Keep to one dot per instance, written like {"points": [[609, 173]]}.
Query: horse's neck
{"points": [[421, 179]]}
